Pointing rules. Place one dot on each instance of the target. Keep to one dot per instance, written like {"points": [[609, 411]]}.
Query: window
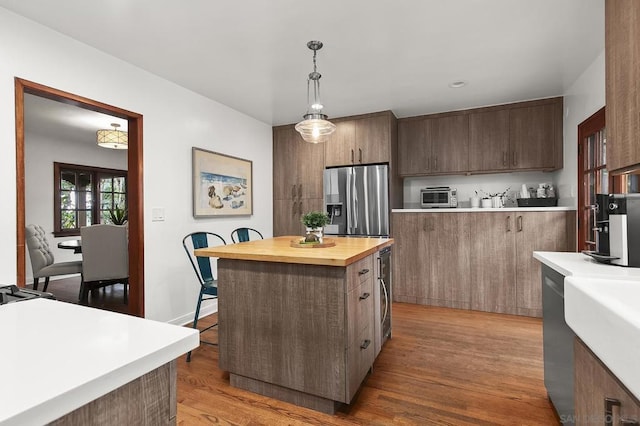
{"points": [[85, 196], [593, 177]]}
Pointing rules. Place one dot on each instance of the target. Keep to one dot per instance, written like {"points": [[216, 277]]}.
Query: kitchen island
{"points": [[71, 364], [298, 324]]}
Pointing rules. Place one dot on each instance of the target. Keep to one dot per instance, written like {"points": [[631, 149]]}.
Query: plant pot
{"points": [[314, 235]]}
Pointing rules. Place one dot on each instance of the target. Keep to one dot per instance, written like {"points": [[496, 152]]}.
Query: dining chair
{"points": [[105, 258], [240, 235], [42, 260], [203, 267]]}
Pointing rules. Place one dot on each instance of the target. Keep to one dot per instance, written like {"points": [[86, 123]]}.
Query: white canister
{"points": [[475, 202], [496, 202], [486, 203]]}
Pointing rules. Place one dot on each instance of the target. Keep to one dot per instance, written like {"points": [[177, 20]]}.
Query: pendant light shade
{"points": [[315, 128], [112, 138]]}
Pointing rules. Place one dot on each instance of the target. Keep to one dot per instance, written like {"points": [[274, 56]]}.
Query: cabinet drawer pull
{"points": [[360, 155], [628, 422], [519, 223], [364, 271], [508, 223], [365, 344], [365, 296], [609, 403], [293, 191], [293, 208], [352, 157]]}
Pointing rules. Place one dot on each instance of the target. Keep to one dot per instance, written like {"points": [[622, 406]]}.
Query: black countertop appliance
{"points": [[12, 293]]}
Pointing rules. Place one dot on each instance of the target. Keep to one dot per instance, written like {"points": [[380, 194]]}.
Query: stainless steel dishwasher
{"points": [[558, 345]]}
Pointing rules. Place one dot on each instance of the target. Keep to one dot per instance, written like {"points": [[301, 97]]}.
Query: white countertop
{"points": [[480, 209], [582, 265], [57, 357], [601, 307]]}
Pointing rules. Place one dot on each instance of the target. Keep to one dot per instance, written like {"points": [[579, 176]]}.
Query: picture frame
{"points": [[222, 184]]}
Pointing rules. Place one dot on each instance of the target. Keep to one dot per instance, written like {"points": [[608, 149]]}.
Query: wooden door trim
{"points": [[588, 127], [135, 181]]}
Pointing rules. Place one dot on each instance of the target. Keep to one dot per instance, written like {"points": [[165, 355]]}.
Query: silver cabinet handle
{"points": [[519, 223]]}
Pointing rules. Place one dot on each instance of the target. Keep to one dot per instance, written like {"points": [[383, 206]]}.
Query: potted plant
{"points": [[118, 216], [314, 222]]}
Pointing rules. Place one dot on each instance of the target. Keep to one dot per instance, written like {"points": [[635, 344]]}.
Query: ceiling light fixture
{"points": [[457, 84], [315, 128], [113, 138]]}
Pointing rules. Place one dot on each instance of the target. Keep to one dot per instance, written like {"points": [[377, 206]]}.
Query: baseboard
{"points": [[211, 308]]}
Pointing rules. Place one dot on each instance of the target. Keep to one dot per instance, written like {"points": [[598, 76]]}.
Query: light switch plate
{"points": [[157, 214]]}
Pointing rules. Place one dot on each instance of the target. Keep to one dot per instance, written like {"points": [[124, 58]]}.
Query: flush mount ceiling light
{"points": [[112, 138], [457, 84], [314, 128]]}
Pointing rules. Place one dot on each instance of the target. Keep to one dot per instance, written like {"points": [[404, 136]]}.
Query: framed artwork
{"points": [[222, 185]]}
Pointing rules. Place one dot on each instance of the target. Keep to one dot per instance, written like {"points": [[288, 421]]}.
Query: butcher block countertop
{"points": [[278, 249]]}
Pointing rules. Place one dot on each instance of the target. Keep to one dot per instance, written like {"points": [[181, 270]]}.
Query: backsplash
{"points": [[486, 184]]}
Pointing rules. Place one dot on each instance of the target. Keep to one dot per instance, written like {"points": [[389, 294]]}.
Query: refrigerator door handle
{"points": [[354, 201], [348, 203]]}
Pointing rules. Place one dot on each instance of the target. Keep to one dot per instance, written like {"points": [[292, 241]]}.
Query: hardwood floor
{"points": [[442, 367], [110, 298]]}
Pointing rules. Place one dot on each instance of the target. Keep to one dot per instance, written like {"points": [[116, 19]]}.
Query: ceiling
{"points": [[378, 54]]}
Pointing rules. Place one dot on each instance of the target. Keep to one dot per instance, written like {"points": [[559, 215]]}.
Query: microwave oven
{"points": [[438, 197]]}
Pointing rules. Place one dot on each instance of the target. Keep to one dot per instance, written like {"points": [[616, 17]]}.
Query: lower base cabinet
{"points": [[600, 398], [481, 261]]}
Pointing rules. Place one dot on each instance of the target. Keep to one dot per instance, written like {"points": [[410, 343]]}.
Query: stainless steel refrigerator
{"points": [[357, 200]]}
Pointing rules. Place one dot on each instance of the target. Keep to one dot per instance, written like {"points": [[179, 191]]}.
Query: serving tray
{"points": [[326, 242]]}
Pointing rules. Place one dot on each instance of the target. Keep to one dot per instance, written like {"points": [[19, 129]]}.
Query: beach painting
{"points": [[222, 185]]}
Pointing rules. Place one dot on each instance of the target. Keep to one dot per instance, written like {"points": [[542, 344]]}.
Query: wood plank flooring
{"points": [[110, 298], [442, 367]]}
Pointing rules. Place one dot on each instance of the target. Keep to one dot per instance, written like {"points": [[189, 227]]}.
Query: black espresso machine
{"points": [[617, 228]]}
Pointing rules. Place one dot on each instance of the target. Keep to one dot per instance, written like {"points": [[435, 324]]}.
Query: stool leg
{"points": [[195, 319], [46, 284]]}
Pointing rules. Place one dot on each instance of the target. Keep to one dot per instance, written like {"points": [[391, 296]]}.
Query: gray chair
{"points": [[42, 260], [105, 258]]}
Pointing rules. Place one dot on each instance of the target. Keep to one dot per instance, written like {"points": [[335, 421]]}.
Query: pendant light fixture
{"points": [[113, 138], [314, 128]]}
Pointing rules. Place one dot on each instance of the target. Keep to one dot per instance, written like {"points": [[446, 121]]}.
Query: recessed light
{"points": [[457, 84]]}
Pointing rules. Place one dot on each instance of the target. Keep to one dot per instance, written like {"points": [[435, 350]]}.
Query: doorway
{"points": [[135, 182]]}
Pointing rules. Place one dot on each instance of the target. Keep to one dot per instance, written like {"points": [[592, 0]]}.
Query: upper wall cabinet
{"points": [[433, 145], [361, 140], [622, 58], [513, 137]]}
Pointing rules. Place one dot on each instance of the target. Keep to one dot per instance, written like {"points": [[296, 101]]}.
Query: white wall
{"points": [[175, 120], [40, 153], [583, 98]]}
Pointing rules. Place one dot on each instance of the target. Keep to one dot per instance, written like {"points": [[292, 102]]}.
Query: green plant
{"points": [[118, 216], [315, 219]]}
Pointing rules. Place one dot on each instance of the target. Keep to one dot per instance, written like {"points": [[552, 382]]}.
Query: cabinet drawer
{"points": [[359, 360], [359, 310], [359, 272]]}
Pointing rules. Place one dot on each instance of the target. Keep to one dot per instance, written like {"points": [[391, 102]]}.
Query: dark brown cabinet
{"points": [[599, 397], [489, 141], [493, 266], [482, 261], [622, 59], [428, 276], [433, 145], [363, 139], [535, 134], [297, 180], [505, 138]]}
